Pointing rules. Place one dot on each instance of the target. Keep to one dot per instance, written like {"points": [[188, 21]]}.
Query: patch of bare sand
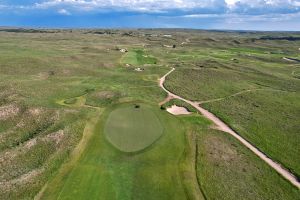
{"points": [[21, 180], [10, 154], [105, 94], [35, 111], [56, 136], [177, 110], [8, 111]]}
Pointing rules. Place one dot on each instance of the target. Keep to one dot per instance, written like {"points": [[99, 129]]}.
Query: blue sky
{"points": [[200, 14]]}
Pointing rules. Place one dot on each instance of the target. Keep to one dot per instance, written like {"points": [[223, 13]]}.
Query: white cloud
{"points": [[202, 16], [237, 18], [186, 7], [2, 6], [296, 3], [231, 2], [63, 12], [155, 5]]}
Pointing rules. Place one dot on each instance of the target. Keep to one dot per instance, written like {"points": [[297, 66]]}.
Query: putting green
{"points": [[131, 129]]}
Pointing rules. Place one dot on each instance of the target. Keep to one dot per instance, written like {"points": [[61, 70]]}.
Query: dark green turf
{"points": [[133, 127]]}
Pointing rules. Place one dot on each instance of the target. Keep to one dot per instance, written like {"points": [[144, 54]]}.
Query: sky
{"points": [[269, 15]]}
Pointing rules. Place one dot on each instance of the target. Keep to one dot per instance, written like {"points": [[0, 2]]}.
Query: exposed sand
{"points": [[177, 110], [8, 111], [225, 128]]}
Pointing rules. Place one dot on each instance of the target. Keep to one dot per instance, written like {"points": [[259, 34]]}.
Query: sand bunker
{"points": [[176, 110]]}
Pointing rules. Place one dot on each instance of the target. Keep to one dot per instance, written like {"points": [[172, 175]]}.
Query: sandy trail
{"points": [[240, 93], [166, 100], [220, 125]]}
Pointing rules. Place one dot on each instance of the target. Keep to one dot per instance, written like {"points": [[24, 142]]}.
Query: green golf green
{"points": [[132, 128]]}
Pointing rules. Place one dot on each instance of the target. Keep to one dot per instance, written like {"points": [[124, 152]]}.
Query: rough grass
{"points": [[103, 98], [227, 170], [265, 119], [267, 115], [224, 164], [133, 128]]}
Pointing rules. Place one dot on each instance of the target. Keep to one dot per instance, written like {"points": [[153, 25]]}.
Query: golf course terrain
{"points": [[85, 114], [132, 128]]}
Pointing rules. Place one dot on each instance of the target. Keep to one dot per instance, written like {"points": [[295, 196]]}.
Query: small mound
{"points": [[132, 128], [177, 110]]}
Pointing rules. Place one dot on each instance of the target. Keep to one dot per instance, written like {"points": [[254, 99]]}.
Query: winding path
{"points": [[240, 93], [225, 128]]}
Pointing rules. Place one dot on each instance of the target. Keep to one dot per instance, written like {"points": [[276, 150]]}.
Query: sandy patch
{"points": [[105, 94], [56, 136], [42, 76], [8, 111], [30, 143], [291, 59], [139, 69], [35, 111], [177, 110], [21, 180]]}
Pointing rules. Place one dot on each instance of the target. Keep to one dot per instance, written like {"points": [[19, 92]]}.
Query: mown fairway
{"points": [[104, 172], [137, 57], [133, 128]]}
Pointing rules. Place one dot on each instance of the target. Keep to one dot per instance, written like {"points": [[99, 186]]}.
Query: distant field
{"points": [[137, 57]]}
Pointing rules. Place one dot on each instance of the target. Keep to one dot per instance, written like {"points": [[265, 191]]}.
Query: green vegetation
{"points": [[257, 95], [103, 98], [103, 172], [268, 122], [67, 95], [138, 57], [133, 128], [223, 164]]}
